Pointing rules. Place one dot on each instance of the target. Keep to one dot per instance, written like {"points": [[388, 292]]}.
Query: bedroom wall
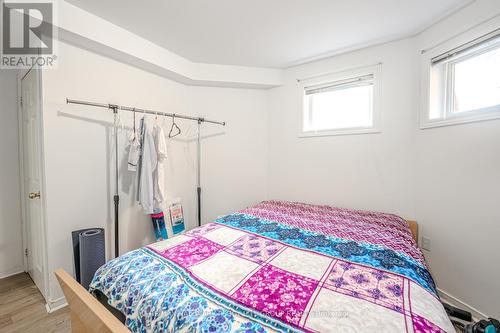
{"points": [[370, 171], [11, 260], [458, 187], [79, 151], [446, 178], [234, 161]]}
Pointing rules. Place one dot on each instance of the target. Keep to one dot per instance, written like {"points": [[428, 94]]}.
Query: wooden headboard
{"points": [[414, 229]]}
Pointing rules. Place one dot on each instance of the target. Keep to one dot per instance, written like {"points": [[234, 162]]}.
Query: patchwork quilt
{"points": [[279, 267]]}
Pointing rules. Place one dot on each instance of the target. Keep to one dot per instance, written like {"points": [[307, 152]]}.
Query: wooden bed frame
{"points": [[88, 315], [414, 229]]}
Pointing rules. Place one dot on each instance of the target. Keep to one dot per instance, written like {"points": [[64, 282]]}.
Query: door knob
{"points": [[34, 195]]}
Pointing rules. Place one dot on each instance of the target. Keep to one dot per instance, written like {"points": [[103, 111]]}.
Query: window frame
{"points": [[332, 78], [447, 115]]}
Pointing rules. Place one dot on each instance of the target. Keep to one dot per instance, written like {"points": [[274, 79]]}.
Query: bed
{"points": [[274, 267]]}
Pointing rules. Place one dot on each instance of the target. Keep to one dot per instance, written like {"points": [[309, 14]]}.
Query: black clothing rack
{"points": [[115, 108]]}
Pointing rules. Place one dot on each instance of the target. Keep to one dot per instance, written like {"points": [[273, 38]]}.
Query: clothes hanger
{"points": [[174, 125], [156, 117]]}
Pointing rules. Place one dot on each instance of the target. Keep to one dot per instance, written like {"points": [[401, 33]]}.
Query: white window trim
{"points": [[374, 70], [488, 113]]}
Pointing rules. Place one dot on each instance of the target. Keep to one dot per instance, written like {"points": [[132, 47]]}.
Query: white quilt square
{"points": [[350, 314], [224, 236], [168, 243], [302, 262], [426, 305], [223, 271]]}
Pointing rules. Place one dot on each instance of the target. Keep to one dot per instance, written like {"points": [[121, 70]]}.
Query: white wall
{"points": [[447, 178], [458, 188], [370, 171], [234, 158], [79, 152], [11, 260]]}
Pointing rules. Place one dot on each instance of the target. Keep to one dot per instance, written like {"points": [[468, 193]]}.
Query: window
{"points": [[340, 104], [465, 83]]}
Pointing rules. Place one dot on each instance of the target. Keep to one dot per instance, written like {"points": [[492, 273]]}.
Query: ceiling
{"points": [[268, 33]]}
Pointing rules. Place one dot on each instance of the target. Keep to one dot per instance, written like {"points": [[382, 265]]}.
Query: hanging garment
{"points": [[159, 172], [139, 163], [134, 150], [134, 154], [147, 165]]}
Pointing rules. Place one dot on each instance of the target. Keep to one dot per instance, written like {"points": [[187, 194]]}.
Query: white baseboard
{"points": [[452, 300], [54, 305], [10, 272]]}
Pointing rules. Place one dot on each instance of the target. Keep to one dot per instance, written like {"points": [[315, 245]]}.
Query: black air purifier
{"points": [[89, 251]]}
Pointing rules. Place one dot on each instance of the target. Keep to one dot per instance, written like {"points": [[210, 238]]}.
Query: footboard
{"points": [[87, 314]]}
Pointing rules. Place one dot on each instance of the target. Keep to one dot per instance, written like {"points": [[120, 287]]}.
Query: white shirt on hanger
{"points": [[159, 172], [147, 165]]}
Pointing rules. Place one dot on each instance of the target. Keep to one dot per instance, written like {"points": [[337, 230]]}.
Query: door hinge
{"points": [[26, 252], [21, 101]]}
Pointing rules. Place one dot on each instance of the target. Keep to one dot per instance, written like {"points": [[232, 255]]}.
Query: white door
{"points": [[31, 109]]}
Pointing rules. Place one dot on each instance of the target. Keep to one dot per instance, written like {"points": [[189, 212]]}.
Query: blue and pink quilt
{"points": [[279, 267]]}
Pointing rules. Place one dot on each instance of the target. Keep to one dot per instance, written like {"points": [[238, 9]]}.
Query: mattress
{"points": [[279, 267]]}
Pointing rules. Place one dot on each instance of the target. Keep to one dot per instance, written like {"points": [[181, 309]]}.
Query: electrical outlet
{"points": [[426, 243]]}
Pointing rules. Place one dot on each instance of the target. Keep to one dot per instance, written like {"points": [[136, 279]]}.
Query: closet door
{"points": [[31, 137]]}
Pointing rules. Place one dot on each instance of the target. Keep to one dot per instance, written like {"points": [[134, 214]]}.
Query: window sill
{"points": [[459, 120], [347, 131]]}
